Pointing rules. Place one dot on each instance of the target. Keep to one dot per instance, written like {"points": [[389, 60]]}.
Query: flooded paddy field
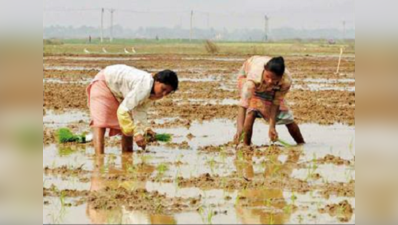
{"points": [[200, 176]]}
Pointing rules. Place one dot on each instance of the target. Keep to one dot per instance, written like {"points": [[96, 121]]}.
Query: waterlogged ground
{"points": [[200, 177]]}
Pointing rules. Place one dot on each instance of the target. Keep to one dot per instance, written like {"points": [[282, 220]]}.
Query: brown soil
{"points": [[343, 211], [338, 189], [234, 182], [65, 171], [328, 159], [140, 199], [48, 136], [323, 107]]}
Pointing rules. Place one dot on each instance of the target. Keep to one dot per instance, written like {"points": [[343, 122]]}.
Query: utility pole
{"points": [[191, 31], [102, 25], [111, 28], [266, 29]]}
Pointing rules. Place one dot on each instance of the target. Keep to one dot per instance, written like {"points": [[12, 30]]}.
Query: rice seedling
{"points": [[284, 143], [212, 164], [271, 220], [268, 202], [206, 215], [58, 218], [145, 159], [161, 169], [159, 206], [287, 209], [223, 155], [300, 219], [293, 198], [312, 169], [176, 180]]}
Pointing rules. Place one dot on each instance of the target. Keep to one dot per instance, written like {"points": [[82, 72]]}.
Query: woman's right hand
{"points": [[237, 137], [140, 140]]}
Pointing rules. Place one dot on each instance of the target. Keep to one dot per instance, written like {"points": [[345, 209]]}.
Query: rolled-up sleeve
{"points": [[140, 115], [133, 102]]}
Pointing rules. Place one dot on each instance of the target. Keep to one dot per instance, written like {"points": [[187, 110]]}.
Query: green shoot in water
{"points": [[284, 143], [163, 137], [159, 137], [65, 136]]}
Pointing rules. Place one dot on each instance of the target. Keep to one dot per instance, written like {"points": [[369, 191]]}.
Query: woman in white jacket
{"points": [[118, 99]]}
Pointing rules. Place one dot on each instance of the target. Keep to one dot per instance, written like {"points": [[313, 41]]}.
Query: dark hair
{"points": [[167, 77], [276, 65]]}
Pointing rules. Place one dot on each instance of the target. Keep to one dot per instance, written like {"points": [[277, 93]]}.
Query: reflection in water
{"points": [[121, 215], [263, 205]]}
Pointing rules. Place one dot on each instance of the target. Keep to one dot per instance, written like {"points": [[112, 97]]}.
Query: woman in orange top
{"points": [[263, 83]]}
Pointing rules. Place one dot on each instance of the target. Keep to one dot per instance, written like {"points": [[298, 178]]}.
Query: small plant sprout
{"points": [[351, 147], [300, 219], [287, 209], [284, 143], [62, 199], [161, 169], [145, 159], [223, 155], [212, 164], [293, 198], [206, 215], [176, 180], [268, 202], [313, 167], [159, 207], [271, 220]]}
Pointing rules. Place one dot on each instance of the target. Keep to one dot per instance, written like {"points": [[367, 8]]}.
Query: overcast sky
{"points": [[229, 14]]}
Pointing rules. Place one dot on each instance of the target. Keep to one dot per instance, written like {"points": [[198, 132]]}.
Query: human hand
{"points": [[273, 135], [140, 140]]}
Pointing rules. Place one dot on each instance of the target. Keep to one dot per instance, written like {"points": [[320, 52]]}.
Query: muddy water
{"points": [[199, 177], [56, 120], [218, 205]]}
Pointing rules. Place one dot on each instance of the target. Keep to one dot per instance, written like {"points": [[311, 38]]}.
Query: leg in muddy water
{"points": [[295, 132], [248, 128], [127, 144], [99, 134]]}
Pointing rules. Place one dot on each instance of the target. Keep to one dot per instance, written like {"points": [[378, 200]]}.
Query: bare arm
{"points": [[273, 135], [247, 92], [241, 119]]}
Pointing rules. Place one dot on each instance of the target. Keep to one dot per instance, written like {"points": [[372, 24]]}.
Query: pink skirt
{"points": [[103, 105]]}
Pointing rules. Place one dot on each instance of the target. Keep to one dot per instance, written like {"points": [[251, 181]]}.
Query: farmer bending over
{"points": [[263, 84], [118, 99]]}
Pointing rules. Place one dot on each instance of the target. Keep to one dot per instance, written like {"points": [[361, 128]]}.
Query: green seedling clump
{"points": [[65, 136], [160, 137], [163, 137]]}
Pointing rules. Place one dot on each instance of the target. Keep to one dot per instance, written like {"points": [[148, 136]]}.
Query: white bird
{"points": [[104, 50], [133, 50], [86, 51], [127, 52]]}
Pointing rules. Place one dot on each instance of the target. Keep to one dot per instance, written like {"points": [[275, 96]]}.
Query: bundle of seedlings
{"points": [[65, 136], [161, 137]]}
